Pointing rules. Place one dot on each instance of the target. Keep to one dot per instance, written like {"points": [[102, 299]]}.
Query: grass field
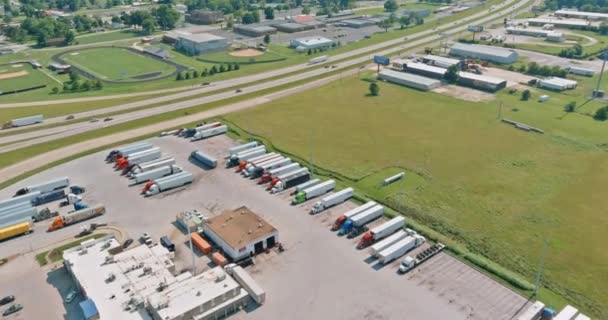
{"points": [[497, 190], [117, 64], [267, 57], [106, 36], [33, 78]]}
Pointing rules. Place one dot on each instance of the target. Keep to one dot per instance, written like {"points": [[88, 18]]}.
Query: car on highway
{"points": [[94, 120], [108, 119], [70, 117], [12, 309], [70, 296], [239, 90], [206, 83], [7, 300], [127, 243]]}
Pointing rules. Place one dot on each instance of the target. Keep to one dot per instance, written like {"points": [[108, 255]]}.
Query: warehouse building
{"points": [[358, 23], [201, 43], [440, 61], [311, 43], [481, 82], [425, 70], [241, 233], [564, 23], [581, 71], [254, 30], [557, 84], [409, 80], [139, 284], [547, 34], [581, 15], [486, 53], [291, 27]]}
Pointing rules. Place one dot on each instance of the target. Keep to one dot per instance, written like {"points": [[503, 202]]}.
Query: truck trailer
{"points": [[19, 199], [259, 169], [400, 248], [137, 158], [156, 173], [243, 165], [166, 183], [77, 216], [241, 147], [204, 158], [15, 208], [533, 312], [15, 230], [272, 175], [290, 179], [190, 132], [17, 216], [355, 225], [387, 242], [314, 191], [381, 231], [568, 313], [305, 185], [203, 134], [44, 187], [332, 200], [27, 121], [127, 150], [237, 158], [351, 213], [49, 197], [147, 166]]}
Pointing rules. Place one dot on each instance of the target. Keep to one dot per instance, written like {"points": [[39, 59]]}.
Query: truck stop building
{"points": [[409, 80], [486, 53], [241, 233], [481, 82], [557, 84], [201, 43], [425, 70]]}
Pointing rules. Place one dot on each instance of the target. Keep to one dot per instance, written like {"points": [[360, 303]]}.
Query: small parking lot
{"points": [[319, 276]]}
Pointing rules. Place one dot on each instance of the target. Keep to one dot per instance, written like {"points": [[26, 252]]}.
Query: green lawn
{"points": [[225, 57], [117, 64], [33, 78], [497, 190], [106, 36]]}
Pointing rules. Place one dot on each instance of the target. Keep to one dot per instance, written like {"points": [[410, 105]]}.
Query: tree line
{"points": [[582, 5], [193, 74]]}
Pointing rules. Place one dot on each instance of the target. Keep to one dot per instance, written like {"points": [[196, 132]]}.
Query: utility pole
{"points": [[191, 248], [312, 163], [599, 80], [540, 268], [499, 110]]}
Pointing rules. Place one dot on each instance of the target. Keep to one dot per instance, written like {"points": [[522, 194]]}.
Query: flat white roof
{"points": [[572, 22], [426, 67], [201, 37], [441, 59], [313, 40], [559, 81], [582, 14], [476, 48], [182, 297], [409, 77], [478, 77]]}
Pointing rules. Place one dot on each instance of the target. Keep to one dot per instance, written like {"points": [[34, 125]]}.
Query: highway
{"points": [[45, 135]]}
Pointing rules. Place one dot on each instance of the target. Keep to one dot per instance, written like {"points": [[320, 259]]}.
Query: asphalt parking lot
{"points": [[319, 276]]}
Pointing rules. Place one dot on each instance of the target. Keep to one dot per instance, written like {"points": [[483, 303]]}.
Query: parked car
{"points": [[7, 300], [70, 296], [12, 309], [127, 243]]}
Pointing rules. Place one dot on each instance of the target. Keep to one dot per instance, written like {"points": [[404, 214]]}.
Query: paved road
{"points": [[50, 134]]}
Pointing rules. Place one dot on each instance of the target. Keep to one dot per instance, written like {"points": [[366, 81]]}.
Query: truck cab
{"points": [[317, 207], [167, 243], [366, 240], [407, 264], [300, 198], [346, 227]]}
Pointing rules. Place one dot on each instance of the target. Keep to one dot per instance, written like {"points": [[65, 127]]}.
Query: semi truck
{"points": [[272, 175], [127, 150], [137, 158], [387, 242], [147, 166], [243, 165], [44, 187], [381, 231], [241, 147], [314, 191], [257, 171], [203, 134], [170, 182], [19, 199], [355, 225], [204, 158], [290, 179], [156, 173], [44, 214], [248, 154], [332, 200], [15, 230], [49, 197], [305, 185], [76, 216], [408, 263], [351, 213], [190, 132], [400, 248], [25, 121], [318, 60]]}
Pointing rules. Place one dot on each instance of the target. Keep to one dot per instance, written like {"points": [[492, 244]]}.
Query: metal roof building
{"points": [[201, 43], [557, 84], [291, 27], [440, 61], [581, 71], [548, 34], [311, 42], [564, 23], [241, 233], [254, 30], [582, 14], [409, 80], [425, 70], [481, 82], [487, 53]]}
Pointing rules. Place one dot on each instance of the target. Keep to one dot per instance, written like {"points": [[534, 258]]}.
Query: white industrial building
{"points": [[557, 84], [241, 233], [440, 61], [564, 23], [409, 80], [581, 14], [532, 32], [581, 71], [140, 284], [314, 42], [481, 82], [486, 53], [425, 70]]}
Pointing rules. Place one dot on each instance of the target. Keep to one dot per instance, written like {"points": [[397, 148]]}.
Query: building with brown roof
{"points": [[241, 233]]}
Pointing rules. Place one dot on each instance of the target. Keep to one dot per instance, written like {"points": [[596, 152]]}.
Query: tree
{"points": [[75, 86], [213, 70], [269, 13], [204, 72], [41, 39], [69, 38], [179, 76], [248, 18], [74, 76], [374, 89], [601, 114], [570, 107], [452, 74], [166, 16], [98, 85], [525, 95], [195, 74], [405, 21], [603, 29], [306, 10], [187, 76], [309, 52], [391, 6], [419, 21], [86, 85], [148, 26], [385, 24], [236, 66], [55, 90], [222, 68], [267, 39], [66, 87]]}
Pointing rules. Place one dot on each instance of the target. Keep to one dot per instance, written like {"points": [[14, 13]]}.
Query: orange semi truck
{"points": [[200, 243], [77, 216]]}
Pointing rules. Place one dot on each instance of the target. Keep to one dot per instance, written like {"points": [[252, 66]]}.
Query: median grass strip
{"points": [[56, 254]]}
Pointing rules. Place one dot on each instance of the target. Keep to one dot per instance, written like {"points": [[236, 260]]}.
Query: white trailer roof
{"points": [[478, 77], [560, 82], [426, 67], [582, 14], [490, 50], [441, 59], [409, 77]]}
